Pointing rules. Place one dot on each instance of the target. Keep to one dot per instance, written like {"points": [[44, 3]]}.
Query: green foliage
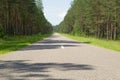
{"points": [[77, 30], [98, 18], [12, 43], [23, 17], [108, 44], [1, 32]]}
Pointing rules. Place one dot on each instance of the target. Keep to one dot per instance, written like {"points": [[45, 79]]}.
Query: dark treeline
{"points": [[99, 18], [23, 17]]}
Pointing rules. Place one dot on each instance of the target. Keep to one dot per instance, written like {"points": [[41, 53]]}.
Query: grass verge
{"points": [[13, 43], [109, 44]]}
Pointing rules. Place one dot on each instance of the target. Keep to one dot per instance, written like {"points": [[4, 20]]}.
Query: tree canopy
{"points": [[99, 18], [23, 17]]}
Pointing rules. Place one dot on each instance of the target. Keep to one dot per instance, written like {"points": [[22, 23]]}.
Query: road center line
{"points": [[62, 47]]}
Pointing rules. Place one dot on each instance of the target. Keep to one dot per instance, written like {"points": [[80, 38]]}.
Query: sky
{"points": [[55, 10]]}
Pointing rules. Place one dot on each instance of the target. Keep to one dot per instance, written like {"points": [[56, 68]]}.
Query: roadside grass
{"points": [[14, 43], [109, 44]]}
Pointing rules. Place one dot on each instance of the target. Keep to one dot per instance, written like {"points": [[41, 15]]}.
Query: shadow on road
{"points": [[52, 44], [23, 70], [43, 47], [49, 41]]}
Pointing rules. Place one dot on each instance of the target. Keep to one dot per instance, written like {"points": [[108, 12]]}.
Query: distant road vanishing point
{"points": [[60, 58]]}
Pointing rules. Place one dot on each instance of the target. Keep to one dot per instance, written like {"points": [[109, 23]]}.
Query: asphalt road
{"points": [[60, 58]]}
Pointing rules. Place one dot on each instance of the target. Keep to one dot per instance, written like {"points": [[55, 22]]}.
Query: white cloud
{"points": [[62, 15], [55, 12]]}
